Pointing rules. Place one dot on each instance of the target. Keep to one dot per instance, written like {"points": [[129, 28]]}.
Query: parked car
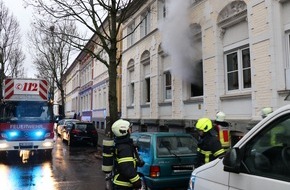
{"points": [[80, 132], [62, 123], [169, 158], [56, 119], [260, 160]]}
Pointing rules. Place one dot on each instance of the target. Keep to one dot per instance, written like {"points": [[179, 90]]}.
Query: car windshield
{"points": [[15, 111], [176, 145]]}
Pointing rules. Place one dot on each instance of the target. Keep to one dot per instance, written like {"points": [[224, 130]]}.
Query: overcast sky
{"points": [[24, 17]]}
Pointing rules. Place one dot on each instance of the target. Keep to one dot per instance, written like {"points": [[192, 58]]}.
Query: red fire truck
{"points": [[26, 118]]}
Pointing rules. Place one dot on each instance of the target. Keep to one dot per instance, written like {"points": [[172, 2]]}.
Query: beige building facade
{"points": [[192, 58]]}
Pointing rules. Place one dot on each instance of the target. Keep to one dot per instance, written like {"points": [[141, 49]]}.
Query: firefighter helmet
{"points": [[204, 124], [220, 116], [266, 111], [121, 128]]}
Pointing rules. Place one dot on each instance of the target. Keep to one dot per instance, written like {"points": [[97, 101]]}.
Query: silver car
{"points": [[62, 123]]}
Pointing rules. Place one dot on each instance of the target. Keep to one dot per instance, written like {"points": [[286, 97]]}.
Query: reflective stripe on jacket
{"points": [[125, 164], [209, 148]]}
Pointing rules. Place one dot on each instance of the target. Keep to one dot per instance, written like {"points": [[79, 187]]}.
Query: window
{"points": [[147, 89], [145, 60], [131, 35], [238, 70], [162, 9], [143, 144], [196, 88], [167, 79], [145, 24], [288, 47], [131, 83], [132, 89], [12, 111], [175, 145], [268, 154]]}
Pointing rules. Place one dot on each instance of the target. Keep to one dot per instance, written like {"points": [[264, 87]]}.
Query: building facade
{"points": [[187, 59], [193, 58], [72, 88], [87, 87]]}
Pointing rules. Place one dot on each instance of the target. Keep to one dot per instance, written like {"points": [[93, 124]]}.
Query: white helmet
{"points": [[266, 111], [120, 127], [220, 116]]}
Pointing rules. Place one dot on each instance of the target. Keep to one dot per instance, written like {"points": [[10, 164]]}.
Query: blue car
{"points": [[169, 158]]}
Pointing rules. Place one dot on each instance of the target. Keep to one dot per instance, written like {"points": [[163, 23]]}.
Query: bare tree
{"points": [[10, 63], [104, 19], [16, 63], [52, 52]]}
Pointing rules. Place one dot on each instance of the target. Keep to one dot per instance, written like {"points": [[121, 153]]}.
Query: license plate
{"points": [[26, 144], [182, 168]]}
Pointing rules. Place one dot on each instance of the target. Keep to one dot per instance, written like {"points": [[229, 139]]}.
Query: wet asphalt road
{"points": [[70, 168]]}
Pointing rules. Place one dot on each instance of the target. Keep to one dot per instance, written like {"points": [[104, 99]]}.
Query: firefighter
{"points": [[266, 111], [208, 147], [223, 129], [275, 132], [125, 167]]}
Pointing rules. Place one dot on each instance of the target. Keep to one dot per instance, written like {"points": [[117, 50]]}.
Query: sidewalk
{"points": [[98, 154]]}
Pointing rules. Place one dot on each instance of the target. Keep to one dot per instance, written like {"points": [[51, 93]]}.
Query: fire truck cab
{"points": [[26, 118]]}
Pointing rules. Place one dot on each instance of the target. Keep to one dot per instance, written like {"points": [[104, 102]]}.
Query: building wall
{"points": [[262, 28], [225, 26], [72, 91]]}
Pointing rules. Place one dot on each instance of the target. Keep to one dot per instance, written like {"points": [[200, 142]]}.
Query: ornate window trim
{"points": [[233, 13]]}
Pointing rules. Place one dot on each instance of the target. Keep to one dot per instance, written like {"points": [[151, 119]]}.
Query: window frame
{"points": [[131, 93], [288, 49], [162, 10], [147, 89], [167, 87], [191, 93], [239, 70], [145, 24], [131, 34], [131, 83]]}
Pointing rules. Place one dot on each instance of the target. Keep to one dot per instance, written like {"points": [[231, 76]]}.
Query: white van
{"points": [[260, 160]]}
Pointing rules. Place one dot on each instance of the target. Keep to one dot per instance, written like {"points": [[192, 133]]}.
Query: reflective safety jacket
{"points": [[125, 168], [223, 133], [208, 148]]}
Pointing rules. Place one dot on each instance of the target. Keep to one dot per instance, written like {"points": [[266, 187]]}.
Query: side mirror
{"points": [[232, 160]]}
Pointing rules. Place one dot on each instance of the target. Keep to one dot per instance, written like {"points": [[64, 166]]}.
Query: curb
{"points": [[98, 156], [99, 153]]}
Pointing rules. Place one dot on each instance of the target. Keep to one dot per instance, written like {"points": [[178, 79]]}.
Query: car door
{"points": [[144, 144], [266, 161]]}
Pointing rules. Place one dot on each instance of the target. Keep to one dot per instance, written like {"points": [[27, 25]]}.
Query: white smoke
{"points": [[175, 33]]}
